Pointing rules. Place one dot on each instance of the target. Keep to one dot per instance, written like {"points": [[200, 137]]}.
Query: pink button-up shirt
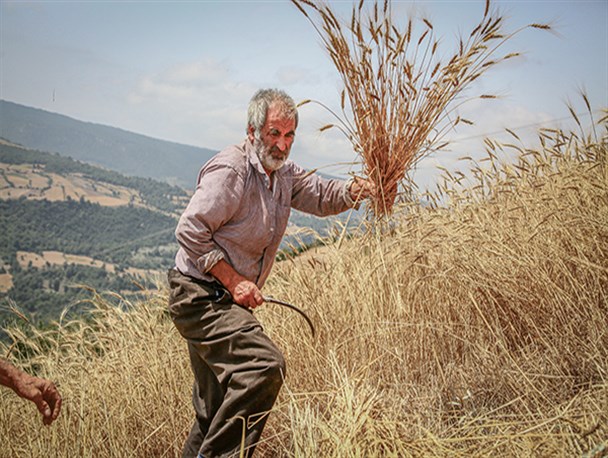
{"points": [[235, 214]]}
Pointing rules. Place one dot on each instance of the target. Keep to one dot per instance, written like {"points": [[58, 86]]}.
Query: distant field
{"points": [[6, 282], [33, 182], [56, 258]]}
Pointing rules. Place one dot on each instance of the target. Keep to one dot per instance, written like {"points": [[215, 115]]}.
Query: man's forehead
{"points": [[279, 117]]}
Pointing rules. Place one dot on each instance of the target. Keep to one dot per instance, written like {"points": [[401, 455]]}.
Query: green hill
{"points": [[157, 194], [106, 245], [82, 228], [65, 223]]}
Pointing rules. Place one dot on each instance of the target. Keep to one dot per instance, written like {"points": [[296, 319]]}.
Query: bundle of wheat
{"points": [[402, 96]]}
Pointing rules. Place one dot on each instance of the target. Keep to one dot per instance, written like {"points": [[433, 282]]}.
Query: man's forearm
{"points": [[40, 391], [226, 274]]}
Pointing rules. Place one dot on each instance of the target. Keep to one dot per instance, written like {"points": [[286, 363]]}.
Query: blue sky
{"points": [[185, 70]]}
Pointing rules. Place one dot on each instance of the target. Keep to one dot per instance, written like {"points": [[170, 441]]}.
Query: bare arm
{"points": [[8, 374], [40, 391], [243, 291]]}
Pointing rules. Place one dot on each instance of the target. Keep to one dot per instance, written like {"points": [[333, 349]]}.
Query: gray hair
{"points": [[264, 99]]}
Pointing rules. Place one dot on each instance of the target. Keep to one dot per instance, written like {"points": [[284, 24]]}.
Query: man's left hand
{"points": [[361, 188]]}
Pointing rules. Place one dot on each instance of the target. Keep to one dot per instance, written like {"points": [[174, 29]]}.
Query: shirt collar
{"points": [[254, 160]]}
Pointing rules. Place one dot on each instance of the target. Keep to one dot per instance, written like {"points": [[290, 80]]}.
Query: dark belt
{"points": [[220, 291]]}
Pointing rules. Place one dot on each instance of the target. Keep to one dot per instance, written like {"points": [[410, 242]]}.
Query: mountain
{"points": [[109, 147]]}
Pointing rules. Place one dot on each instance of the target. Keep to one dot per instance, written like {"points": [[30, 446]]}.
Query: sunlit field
{"points": [[474, 326]]}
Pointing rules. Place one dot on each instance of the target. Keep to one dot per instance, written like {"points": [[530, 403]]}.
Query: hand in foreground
{"points": [[41, 392]]}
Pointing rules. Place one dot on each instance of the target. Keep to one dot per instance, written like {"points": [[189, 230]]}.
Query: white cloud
{"points": [[149, 89], [207, 71], [491, 119], [195, 81], [291, 75], [198, 103]]}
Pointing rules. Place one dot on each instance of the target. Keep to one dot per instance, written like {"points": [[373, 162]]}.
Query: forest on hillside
{"points": [[42, 295], [111, 234], [125, 237]]}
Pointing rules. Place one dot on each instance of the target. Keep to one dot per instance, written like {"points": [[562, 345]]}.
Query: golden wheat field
{"points": [[475, 326]]}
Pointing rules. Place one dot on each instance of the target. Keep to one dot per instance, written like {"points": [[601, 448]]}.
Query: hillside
{"points": [[67, 223], [473, 328], [39, 175], [109, 147]]}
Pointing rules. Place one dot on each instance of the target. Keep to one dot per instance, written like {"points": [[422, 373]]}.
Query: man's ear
{"points": [[250, 133]]}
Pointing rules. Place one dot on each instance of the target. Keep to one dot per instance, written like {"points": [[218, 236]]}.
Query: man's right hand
{"points": [[246, 293], [243, 291]]}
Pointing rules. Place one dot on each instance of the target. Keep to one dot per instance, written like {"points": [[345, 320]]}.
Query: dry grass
{"points": [[401, 94], [125, 391], [478, 327]]}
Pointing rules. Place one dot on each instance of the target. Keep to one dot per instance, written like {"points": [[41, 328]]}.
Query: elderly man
{"points": [[229, 235]]}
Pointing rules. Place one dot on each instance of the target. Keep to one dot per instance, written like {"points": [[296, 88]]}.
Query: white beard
{"points": [[269, 162]]}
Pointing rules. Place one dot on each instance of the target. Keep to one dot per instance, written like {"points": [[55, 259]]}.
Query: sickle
{"points": [[292, 307]]}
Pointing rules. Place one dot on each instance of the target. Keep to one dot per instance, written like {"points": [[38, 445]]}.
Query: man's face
{"points": [[277, 136]]}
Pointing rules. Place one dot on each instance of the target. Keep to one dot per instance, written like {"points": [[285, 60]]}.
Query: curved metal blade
{"points": [[272, 300]]}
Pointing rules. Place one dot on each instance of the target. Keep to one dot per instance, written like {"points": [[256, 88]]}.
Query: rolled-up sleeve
{"points": [[316, 195], [214, 202]]}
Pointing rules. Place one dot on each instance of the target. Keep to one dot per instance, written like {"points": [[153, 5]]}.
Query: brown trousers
{"points": [[238, 371]]}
